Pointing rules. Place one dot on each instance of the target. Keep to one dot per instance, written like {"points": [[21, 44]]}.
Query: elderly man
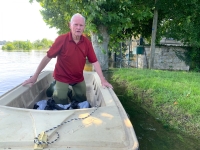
{"points": [[71, 50]]}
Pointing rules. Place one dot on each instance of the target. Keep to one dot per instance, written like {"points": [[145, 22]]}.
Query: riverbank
{"points": [[171, 97]]}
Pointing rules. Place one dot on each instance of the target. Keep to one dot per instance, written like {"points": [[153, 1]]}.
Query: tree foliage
{"points": [[122, 18], [27, 45], [17, 45], [108, 22], [42, 44], [181, 20], [125, 18]]}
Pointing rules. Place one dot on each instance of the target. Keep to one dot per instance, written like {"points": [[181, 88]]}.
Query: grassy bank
{"points": [[173, 97]]}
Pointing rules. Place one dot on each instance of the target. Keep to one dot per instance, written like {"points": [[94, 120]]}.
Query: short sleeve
{"points": [[57, 46], [91, 54]]}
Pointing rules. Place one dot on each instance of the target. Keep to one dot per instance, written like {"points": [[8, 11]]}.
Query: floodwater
{"points": [[17, 66]]}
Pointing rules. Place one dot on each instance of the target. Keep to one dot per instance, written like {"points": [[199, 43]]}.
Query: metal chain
{"points": [[38, 142]]}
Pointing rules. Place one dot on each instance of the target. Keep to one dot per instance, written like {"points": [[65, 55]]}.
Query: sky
{"points": [[21, 20]]}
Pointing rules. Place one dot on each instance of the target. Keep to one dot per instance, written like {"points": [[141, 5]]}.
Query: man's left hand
{"points": [[106, 84]]}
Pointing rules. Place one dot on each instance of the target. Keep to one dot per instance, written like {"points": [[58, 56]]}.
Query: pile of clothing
{"points": [[51, 105]]}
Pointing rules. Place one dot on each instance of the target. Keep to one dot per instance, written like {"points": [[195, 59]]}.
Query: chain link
{"points": [[38, 142]]}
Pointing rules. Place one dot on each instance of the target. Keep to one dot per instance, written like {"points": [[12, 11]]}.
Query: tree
{"points": [[107, 20], [8, 46], [153, 38], [43, 44], [27, 45], [37, 45], [181, 20]]}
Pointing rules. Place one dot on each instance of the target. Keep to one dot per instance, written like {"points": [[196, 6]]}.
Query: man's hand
{"points": [[105, 84], [99, 72], [41, 66], [30, 81]]}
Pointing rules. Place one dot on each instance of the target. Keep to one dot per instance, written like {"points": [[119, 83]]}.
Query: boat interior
{"points": [[26, 96]]}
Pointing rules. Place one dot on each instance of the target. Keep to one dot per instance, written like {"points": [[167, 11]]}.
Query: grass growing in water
{"points": [[174, 97]]}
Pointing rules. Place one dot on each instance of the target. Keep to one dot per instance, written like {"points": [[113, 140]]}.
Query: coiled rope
{"points": [[39, 142]]}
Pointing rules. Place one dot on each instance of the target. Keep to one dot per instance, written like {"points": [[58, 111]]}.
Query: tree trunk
{"points": [[153, 38], [101, 48]]}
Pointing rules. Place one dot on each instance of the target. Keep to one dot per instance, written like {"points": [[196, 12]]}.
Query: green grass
{"points": [[172, 96]]}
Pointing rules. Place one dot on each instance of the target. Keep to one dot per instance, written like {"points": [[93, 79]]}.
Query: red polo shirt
{"points": [[71, 58]]}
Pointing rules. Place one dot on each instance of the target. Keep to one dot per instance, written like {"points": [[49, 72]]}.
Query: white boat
{"points": [[104, 126]]}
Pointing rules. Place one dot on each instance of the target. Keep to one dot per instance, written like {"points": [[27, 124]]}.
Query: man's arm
{"points": [[98, 69], [41, 66]]}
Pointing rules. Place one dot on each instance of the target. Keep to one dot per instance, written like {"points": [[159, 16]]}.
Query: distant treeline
{"points": [[27, 45]]}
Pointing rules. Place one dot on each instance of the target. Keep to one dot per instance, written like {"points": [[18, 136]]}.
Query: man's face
{"points": [[77, 26]]}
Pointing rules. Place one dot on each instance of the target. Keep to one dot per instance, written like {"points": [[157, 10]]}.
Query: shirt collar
{"points": [[71, 39]]}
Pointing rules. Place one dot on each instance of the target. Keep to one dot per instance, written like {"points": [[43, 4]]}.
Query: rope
{"points": [[38, 142]]}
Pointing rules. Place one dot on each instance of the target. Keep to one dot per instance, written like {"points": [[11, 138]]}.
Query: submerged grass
{"points": [[174, 97]]}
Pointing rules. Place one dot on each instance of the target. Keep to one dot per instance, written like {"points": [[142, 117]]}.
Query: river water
{"points": [[17, 66]]}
